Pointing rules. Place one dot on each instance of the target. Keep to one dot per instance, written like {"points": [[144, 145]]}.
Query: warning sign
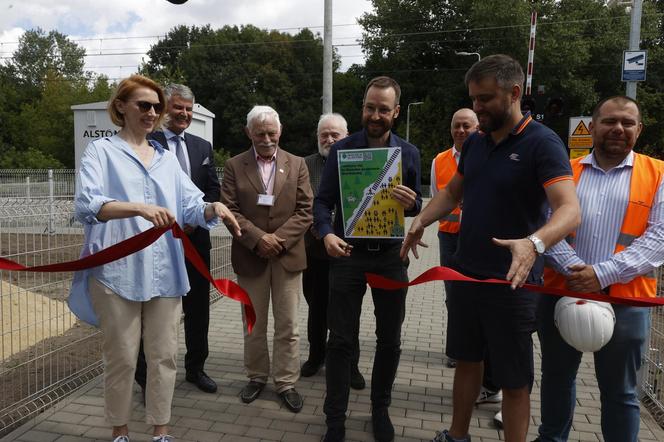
{"points": [[579, 134], [581, 129], [576, 153]]}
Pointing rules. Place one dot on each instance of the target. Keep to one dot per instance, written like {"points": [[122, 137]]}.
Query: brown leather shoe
{"points": [[292, 400], [251, 391]]}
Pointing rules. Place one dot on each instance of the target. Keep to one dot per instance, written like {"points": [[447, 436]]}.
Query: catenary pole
{"points": [[327, 58]]}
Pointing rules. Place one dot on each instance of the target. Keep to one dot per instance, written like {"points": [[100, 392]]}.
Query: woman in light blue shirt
{"points": [[127, 184]]}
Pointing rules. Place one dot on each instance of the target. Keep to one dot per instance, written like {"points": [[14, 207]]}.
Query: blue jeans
{"points": [[616, 367]]}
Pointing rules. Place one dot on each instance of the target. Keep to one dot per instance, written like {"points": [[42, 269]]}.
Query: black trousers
{"points": [[347, 288], [316, 290], [196, 308]]}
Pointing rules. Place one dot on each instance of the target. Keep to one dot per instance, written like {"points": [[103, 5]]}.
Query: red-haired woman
{"points": [[127, 184]]}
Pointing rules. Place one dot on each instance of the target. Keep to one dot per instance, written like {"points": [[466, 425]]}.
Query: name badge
{"points": [[265, 200]]}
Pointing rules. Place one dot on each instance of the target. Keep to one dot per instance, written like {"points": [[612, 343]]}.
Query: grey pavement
{"points": [[422, 398]]}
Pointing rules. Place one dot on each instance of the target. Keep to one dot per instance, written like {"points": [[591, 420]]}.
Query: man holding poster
{"points": [[355, 252]]}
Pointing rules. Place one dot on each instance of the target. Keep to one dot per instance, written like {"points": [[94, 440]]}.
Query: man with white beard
{"points": [[332, 127]]}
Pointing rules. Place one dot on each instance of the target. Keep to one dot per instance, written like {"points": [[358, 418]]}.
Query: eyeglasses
{"points": [[382, 111], [145, 106]]}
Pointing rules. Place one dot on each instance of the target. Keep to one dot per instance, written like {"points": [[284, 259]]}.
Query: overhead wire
{"points": [[140, 51]]}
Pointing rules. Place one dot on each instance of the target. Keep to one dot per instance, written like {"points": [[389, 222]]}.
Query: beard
{"points": [[324, 149], [493, 120], [613, 148], [376, 129]]}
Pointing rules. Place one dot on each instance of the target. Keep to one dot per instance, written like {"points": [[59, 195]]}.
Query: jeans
{"points": [[347, 288], [616, 367]]}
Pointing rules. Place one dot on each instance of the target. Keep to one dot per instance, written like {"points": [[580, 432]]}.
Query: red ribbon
{"points": [[131, 245], [447, 274]]}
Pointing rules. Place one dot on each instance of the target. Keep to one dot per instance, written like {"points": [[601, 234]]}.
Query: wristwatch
{"points": [[539, 245]]}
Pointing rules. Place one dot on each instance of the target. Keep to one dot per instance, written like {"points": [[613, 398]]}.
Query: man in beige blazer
{"points": [[268, 191]]}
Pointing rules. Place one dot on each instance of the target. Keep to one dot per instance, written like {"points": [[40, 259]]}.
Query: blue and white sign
{"points": [[634, 65]]}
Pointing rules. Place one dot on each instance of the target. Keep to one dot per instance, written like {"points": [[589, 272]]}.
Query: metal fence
{"points": [[45, 352], [652, 385]]}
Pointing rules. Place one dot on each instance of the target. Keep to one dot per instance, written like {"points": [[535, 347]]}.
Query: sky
{"points": [[108, 27]]}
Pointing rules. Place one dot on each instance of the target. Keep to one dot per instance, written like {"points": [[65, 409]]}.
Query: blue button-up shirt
{"points": [[111, 171], [328, 191], [603, 197]]}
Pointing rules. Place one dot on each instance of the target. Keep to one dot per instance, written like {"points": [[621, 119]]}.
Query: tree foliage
{"points": [[233, 68], [30, 158], [578, 56], [44, 78], [39, 53]]}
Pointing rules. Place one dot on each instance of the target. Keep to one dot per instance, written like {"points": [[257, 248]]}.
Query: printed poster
{"points": [[366, 180]]}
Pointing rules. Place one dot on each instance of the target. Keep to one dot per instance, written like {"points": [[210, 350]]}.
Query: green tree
{"points": [[48, 123], [44, 78], [415, 43], [31, 158], [578, 56], [220, 156], [233, 68], [38, 54], [348, 92], [651, 93], [9, 103]]}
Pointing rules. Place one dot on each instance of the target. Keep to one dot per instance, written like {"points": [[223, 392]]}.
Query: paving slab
{"points": [[422, 399]]}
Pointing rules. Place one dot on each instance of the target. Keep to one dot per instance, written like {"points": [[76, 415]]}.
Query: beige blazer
{"points": [[290, 216]]}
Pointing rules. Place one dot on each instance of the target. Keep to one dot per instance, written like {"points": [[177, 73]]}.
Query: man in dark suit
{"points": [[196, 158], [268, 190]]}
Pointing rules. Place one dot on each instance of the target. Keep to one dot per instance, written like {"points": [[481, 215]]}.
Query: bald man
{"points": [[443, 168]]}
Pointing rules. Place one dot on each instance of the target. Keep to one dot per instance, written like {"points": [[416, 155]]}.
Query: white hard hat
{"points": [[583, 324]]}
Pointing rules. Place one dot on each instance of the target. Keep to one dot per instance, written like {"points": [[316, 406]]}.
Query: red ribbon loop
{"points": [[138, 242], [447, 274]]}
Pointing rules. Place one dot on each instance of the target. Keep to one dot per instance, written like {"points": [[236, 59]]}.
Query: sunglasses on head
{"points": [[145, 106]]}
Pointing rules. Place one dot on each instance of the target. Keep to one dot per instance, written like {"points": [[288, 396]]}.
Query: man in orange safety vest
{"points": [[615, 250]]}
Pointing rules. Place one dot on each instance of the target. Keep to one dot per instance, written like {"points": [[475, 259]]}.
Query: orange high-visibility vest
{"points": [[445, 167], [646, 178]]}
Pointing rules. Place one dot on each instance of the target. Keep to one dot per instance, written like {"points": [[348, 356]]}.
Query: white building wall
{"points": [[91, 121]]}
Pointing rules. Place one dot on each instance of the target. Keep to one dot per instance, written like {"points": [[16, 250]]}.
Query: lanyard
{"points": [[266, 186]]}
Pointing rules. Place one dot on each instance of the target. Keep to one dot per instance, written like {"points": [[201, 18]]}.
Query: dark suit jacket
{"points": [[289, 217], [203, 174]]}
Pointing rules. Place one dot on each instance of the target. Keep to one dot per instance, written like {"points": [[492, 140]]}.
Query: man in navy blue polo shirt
{"points": [[347, 269], [507, 172]]}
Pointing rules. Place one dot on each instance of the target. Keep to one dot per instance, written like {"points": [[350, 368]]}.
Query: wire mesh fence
{"points": [[37, 183], [45, 352], [653, 367]]}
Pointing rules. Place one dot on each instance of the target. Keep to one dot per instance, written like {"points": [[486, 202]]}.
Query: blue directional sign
{"points": [[634, 65]]}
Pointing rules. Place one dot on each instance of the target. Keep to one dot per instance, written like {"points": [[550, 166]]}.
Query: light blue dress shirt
{"points": [[111, 171], [603, 197]]}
